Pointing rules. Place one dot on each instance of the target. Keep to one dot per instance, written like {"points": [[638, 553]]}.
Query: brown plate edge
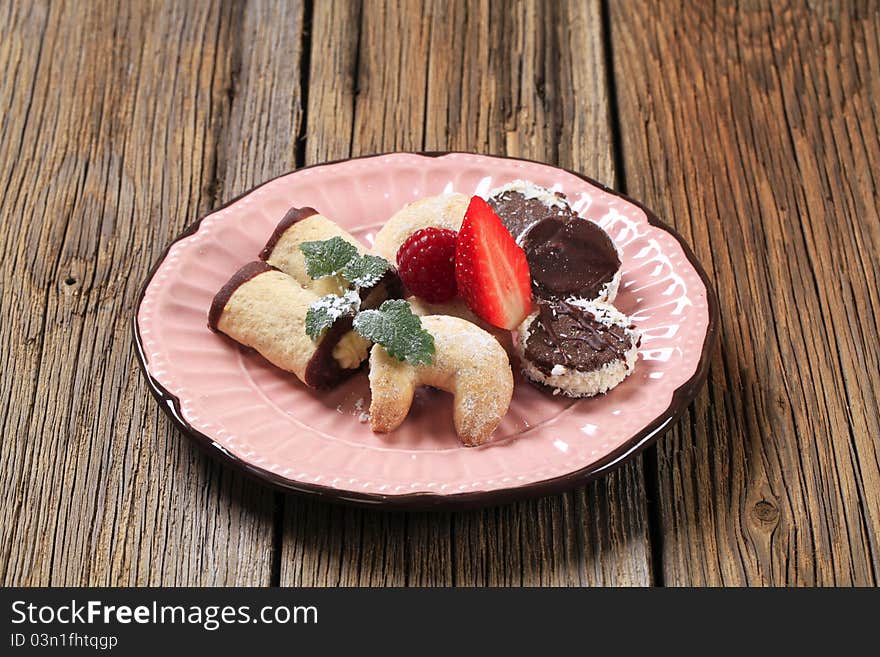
{"points": [[681, 397]]}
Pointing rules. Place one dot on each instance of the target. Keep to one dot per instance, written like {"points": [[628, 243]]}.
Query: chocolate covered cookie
{"points": [[263, 308], [572, 259], [579, 348], [306, 224], [521, 204], [569, 257]]}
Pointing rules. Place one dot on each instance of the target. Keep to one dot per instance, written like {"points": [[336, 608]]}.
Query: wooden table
{"points": [[751, 127]]}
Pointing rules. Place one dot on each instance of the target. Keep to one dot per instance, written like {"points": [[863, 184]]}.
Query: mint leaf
{"points": [[400, 332], [327, 257], [365, 270], [325, 311]]}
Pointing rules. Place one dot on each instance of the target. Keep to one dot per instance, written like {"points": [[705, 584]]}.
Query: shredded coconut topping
{"points": [[531, 190], [604, 313]]}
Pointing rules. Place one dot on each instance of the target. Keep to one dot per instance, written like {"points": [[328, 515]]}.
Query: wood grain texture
{"points": [[109, 147], [753, 127], [466, 76], [266, 98]]}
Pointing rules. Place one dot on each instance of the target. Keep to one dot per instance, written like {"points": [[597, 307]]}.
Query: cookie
{"points": [[468, 362], [521, 204], [265, 309], [458, 308], [308, 225], [577, 348], [568, 256], [444, 211], [453, 308], [572, 259]]}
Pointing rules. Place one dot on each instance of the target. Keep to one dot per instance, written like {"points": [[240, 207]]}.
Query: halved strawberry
{"points": [[490, 269]]}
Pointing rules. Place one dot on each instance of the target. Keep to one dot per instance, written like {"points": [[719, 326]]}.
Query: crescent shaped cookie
{"points": [[263, 308], [468, 362], [443, 211], [457, 307]]}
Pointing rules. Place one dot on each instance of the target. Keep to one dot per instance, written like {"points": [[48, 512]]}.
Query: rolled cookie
{"points": [[468, 362], [578, 348], [521, 204], [263, 308], [444, 211], [308, 225]]}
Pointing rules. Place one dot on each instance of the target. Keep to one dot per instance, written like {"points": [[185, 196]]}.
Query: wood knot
{"points": [[766, 511]]}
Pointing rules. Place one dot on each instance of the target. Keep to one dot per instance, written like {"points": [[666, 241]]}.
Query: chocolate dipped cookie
{"points": [[568, 256], [301, 225], [265, 309], [579, 349]]}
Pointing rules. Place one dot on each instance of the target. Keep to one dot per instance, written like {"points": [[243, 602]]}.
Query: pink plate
{"points": [[262, 419]]}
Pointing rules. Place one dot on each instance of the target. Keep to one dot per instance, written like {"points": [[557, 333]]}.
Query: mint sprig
{"points": [[327, 257], [336, 257], [323, 312], [393, 325], [398, 330], [365, 270]]}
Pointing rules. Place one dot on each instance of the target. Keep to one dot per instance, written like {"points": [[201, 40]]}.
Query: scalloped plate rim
{"points": [[653, 430]]}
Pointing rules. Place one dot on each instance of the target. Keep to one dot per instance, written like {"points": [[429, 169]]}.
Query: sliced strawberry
{"points": [[490, 269]]}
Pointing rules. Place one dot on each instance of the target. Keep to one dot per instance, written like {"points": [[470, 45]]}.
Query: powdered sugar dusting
{"points": [[335, 305]]}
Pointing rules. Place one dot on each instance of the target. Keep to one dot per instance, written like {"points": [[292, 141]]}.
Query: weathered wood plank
{"points": [[753, 127], [109, 148], [267, 105], [466, 76]]}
